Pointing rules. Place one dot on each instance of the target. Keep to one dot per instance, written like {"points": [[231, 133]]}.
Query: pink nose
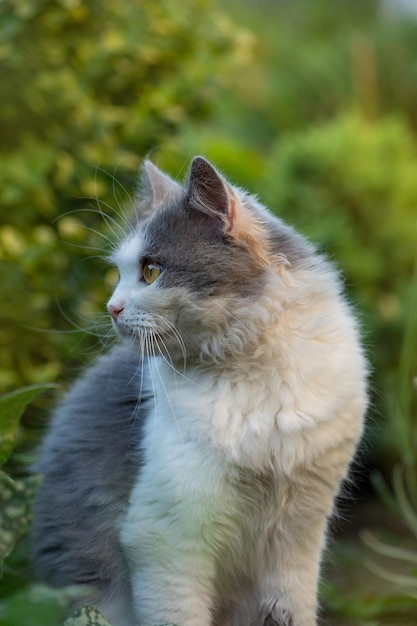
{"points": [[114, 310]]}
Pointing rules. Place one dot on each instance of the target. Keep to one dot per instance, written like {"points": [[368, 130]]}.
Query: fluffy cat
{"points": [[189, 474]]}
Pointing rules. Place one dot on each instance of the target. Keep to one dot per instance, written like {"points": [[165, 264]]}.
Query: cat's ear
{"points": [[156, 187], [209, 192]]}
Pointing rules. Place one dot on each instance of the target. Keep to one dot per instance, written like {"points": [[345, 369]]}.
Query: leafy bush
{"points": [[15, 505], [91, 85]]}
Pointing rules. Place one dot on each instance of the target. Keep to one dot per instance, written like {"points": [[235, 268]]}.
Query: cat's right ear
{"points": [[209, 192], [155, 188]]}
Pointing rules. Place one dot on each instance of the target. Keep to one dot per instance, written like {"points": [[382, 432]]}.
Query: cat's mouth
{"points": [[150, 334], [145, 336]]}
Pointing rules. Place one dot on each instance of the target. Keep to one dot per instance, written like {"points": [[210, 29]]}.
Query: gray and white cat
{"points": [[189, 474]]}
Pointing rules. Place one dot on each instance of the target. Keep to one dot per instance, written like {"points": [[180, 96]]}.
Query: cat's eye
{"points": [[151, 271]]}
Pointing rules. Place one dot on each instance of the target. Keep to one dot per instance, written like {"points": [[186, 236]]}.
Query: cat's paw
{"points": [[273, 614], [278, 618]]}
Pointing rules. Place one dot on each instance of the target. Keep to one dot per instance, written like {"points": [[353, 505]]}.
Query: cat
{"points": [[189, 474]]}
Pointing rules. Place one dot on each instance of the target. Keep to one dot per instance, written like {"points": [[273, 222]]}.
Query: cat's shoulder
{"points": [[116, 370], [105, 398]]}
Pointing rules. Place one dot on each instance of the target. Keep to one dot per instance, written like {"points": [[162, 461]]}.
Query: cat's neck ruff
{"points": [[274, 398]]}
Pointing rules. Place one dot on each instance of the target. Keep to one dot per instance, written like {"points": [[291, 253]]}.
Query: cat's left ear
{"points": [[157, 187], [209, 192]]}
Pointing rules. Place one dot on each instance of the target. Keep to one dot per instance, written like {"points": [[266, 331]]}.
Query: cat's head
{"points": [[194, 266]]}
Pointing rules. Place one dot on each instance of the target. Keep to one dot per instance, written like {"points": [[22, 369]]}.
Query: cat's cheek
{"points": [[204, 327]]}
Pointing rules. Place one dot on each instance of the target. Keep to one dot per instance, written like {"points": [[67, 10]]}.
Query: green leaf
{"points": [[15, 505], [37, 605], [12, 406], [86, 616], [388, 550], [89, 616]]}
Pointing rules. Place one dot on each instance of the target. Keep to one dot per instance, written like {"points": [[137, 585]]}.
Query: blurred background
{"points": [[310, 105]]}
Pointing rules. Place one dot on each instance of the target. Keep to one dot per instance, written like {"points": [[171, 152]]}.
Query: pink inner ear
{"points": [[230, 219]]}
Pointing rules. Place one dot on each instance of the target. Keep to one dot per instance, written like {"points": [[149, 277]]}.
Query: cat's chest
{"points": [[198, 444], [235, 418]]}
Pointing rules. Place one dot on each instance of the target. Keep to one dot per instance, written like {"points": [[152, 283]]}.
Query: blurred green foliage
{"points": [[92, 87], [43, 605]]}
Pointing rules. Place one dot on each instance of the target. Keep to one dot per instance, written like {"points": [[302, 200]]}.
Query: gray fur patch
{"points": [[283, 240], [197, 255], [89, 458], [185, 232]]}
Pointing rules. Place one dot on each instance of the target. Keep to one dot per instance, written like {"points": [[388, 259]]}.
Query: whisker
{"points": [[226, 310], [171, 327], [139, 371], [104, 257], [112, 223], [116, 180], [171, 365], [95, 325], [53, 331], [120, 213], [167, 396], [151, 374], [127, 194], [166, 357], [109, 222], [106, 218], [85, 247], [149, 336]]}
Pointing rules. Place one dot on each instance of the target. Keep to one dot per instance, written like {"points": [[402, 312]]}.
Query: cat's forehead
{"points": [[168, 228], [175, 225], [128, 251]]}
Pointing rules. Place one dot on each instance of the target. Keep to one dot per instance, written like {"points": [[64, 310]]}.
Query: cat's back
{"points": [[88, 460]]}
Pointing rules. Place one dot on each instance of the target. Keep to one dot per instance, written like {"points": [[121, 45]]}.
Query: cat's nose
{"points": [[115, 310]]}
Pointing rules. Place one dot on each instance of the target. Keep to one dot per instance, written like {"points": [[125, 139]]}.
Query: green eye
{"points": [[151, 271]]}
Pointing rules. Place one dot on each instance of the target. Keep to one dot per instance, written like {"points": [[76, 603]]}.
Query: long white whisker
{"points": [[151, 371], [111, 223], [139, 371], [106, 238], [172, 328], [156, 333], [166, 357], [108, 241], [226, 310], [116, 180], [120, 212], [85, 247], [171, 365], [98, 321], [108, 219], [127, 194], [167, 396]]}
